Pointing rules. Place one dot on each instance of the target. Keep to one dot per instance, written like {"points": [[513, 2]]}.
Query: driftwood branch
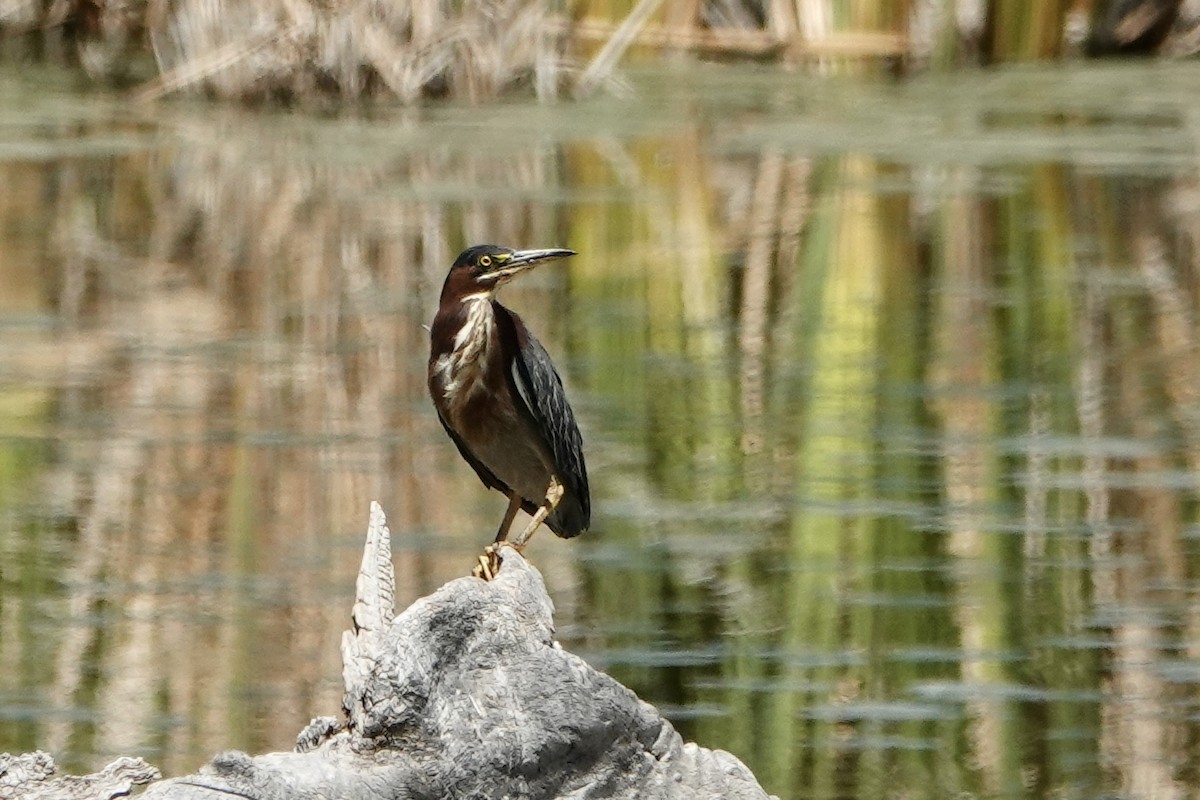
{"points": [[467, 695], [34, 776]]}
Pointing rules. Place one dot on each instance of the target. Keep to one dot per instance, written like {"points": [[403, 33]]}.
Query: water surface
{"points": [[891, 397]]}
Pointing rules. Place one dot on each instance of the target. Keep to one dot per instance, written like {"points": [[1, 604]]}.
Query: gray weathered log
{"points": [[34, 776], [467, 695]]}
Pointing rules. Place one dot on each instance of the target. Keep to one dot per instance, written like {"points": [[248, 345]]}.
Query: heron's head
{"points": [[485, 267]]}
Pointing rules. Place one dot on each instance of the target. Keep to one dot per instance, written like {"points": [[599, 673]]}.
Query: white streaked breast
{"points": [[461, 371]]}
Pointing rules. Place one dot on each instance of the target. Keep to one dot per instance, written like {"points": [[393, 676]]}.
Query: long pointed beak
{"points": [[522, 260], [533, 256]]}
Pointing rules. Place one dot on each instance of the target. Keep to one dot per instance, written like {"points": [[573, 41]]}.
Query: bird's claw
{"points": [[489, 563]]}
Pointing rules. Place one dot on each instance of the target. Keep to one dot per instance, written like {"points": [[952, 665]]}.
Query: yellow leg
{"points": [[514, 503], [489, 560], [554, 494]]}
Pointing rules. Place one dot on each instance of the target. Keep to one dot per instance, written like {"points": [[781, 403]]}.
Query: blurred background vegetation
{"points": [[317, 53], [890, 387]]}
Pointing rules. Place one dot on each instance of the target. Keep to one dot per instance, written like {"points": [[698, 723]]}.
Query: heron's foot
{"points": [[489, 563]]}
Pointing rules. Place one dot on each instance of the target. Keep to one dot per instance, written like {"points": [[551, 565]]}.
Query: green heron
{"points": [[501, 400]]}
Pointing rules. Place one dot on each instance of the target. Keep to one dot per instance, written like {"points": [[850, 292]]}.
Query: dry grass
{"points": [[288, 49], [305, 50], [315, 51]]}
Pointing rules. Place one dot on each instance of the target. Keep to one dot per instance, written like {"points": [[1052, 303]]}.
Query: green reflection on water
{"points": [[888, 390]]}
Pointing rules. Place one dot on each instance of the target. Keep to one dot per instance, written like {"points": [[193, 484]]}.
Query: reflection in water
{"points": [[893, 443]]}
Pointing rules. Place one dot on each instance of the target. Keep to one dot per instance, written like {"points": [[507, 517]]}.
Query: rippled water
{"points": [[891, 397]]}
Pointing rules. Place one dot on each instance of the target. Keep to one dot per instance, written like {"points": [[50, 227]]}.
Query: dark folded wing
{"points": [[486, 475], [541, 388]]}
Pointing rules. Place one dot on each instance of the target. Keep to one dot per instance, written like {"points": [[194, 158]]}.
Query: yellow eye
{"points": [[485, 261]]}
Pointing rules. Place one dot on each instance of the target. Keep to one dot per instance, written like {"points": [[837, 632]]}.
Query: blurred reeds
{"points": [[932, 431], [310, 52], [232, 390], [905, 453]]}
